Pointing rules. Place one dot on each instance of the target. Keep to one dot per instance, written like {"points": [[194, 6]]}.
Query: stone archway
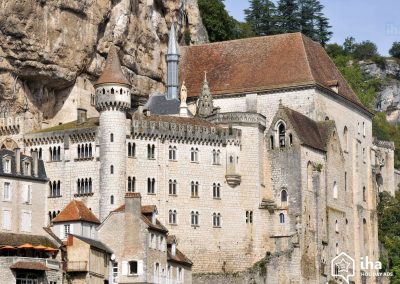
{"points": [[9, 144]]}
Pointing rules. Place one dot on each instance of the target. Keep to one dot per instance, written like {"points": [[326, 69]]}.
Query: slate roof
{"points": [[112, 72], [175, 119], [76, 211], [94, 243], [261, 64], [158, 104], [11, 239], [41, 170]]}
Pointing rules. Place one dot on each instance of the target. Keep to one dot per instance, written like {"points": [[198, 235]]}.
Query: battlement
{"points": [[10, 125]]}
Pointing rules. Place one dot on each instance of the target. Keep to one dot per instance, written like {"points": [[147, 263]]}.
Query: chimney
{"points": [[18, 161], [35, 163], [133, 203], [82, 115]]}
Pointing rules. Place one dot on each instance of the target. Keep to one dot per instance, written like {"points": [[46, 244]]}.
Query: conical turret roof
{"points": [[112, 73]]}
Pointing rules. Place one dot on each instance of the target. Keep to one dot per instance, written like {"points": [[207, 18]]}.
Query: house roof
{"points": [[179, 257], [147, 210], [112, 72], [11, 239], [261, 64], [94, 243], [29, 265], [158, 104], [41, 170], [311, 133], [76, 211]]}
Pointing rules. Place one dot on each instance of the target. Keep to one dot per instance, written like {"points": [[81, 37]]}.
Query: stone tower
{"points": [[172, 66], [205, 102], [113, 99]]}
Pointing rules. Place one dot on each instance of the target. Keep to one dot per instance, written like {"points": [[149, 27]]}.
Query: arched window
{"points": [[112, 169], [216, 190], [112, 199], [290, 139], [365, 233], [194, 218], [151, 149], [231, 159], [131, 184], [112, 91], [172, 187], [346, 138], [271, 142], [194, 157], [217, 220], [172, 216], [282, 135], [336, 226], [282, 218], [335, 190], [284, 197], [172, 153], [151, 182], [111, 137], [40, 153], [195, 189]]}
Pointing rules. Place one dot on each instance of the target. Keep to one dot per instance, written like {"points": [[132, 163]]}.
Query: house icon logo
{"points": [[343, 266]]}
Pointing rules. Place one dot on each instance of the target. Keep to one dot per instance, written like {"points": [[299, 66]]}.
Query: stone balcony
{"points": [[49, 263]]}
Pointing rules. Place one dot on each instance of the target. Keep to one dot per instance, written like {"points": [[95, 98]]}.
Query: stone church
{"points": [[259, 153]]}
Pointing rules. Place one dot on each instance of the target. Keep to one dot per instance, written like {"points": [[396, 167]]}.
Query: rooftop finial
{"points": [[172, 42], [205, 76]]}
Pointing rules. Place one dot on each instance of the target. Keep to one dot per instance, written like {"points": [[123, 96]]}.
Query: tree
{"points": [[323, 33], [288, 16], [334, 50], [261, 16], [349, 45], [219, 24], [395, 50], [365, 50]]}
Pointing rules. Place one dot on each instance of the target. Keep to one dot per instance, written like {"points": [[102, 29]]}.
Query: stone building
{"points": [[142, 251], [269, 157], [27, 253]]}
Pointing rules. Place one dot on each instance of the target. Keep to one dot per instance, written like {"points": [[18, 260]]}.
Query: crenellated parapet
{"points": [[10, 125], [47, 138], [188, 129]]}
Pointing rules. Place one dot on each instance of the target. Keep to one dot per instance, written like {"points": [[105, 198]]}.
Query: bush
{"points": [[334, 50], [365, 50], [395, 50]]}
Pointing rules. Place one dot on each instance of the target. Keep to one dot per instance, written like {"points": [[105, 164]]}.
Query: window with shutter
{"points": [[124, 268], [140, 267]]}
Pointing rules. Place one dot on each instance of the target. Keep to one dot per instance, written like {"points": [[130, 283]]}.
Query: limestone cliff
{"points": [[389, 97], [50, 49]]}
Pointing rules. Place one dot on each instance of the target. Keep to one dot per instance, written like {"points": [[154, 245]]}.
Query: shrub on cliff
{"points": [[395, 50]]}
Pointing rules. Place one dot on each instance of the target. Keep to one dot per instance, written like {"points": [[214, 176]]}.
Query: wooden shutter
{"points": [[124, 268], [140, 267]]}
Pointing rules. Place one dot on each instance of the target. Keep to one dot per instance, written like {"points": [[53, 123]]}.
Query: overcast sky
{"points": [[375, 20]]}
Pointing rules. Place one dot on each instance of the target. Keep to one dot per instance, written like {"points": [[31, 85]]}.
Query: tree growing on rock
{"points": [[395, 50]]}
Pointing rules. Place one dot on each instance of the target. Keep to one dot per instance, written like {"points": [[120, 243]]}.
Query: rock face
{"points": [[389, 97], [47, 46]]}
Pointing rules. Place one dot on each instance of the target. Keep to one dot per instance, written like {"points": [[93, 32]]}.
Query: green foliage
{"points": [[287, 16], [365, 50], [334, 50], [395, 50], [186, 36], [349, 45], [219, 24], [388, 211], [261, 16]]}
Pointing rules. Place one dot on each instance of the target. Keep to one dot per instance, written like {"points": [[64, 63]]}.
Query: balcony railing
{"points": [[77, 266], [50, 263]]}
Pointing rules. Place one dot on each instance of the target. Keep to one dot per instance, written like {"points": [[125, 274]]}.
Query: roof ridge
{"points": [[240, 39], [306, 57]]}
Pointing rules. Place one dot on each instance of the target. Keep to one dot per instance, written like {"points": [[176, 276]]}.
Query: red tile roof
{"points": [[261, 64], [179, 257], [76, 211], [112, 72], [29, 265]]}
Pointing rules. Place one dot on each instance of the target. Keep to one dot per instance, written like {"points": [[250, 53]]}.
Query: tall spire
{"points": [[172, 66], [205, 103], [112, 72]]}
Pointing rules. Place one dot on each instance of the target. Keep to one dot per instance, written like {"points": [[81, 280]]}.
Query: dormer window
{"points": [[7, 165], [27, 168]]}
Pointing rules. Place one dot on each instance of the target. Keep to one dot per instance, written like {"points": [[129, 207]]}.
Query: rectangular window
{"points": [[6, 224], [67, 229], [249, 217], [7, 166], [133, 267], [7, 191], [27, 168], [115, 272], [26, 221]]}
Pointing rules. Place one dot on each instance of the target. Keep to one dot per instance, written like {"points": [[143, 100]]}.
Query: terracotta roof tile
{"points": [[11, 239], [76, 211], [112, 72], [261, 64], [29, 265]]}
